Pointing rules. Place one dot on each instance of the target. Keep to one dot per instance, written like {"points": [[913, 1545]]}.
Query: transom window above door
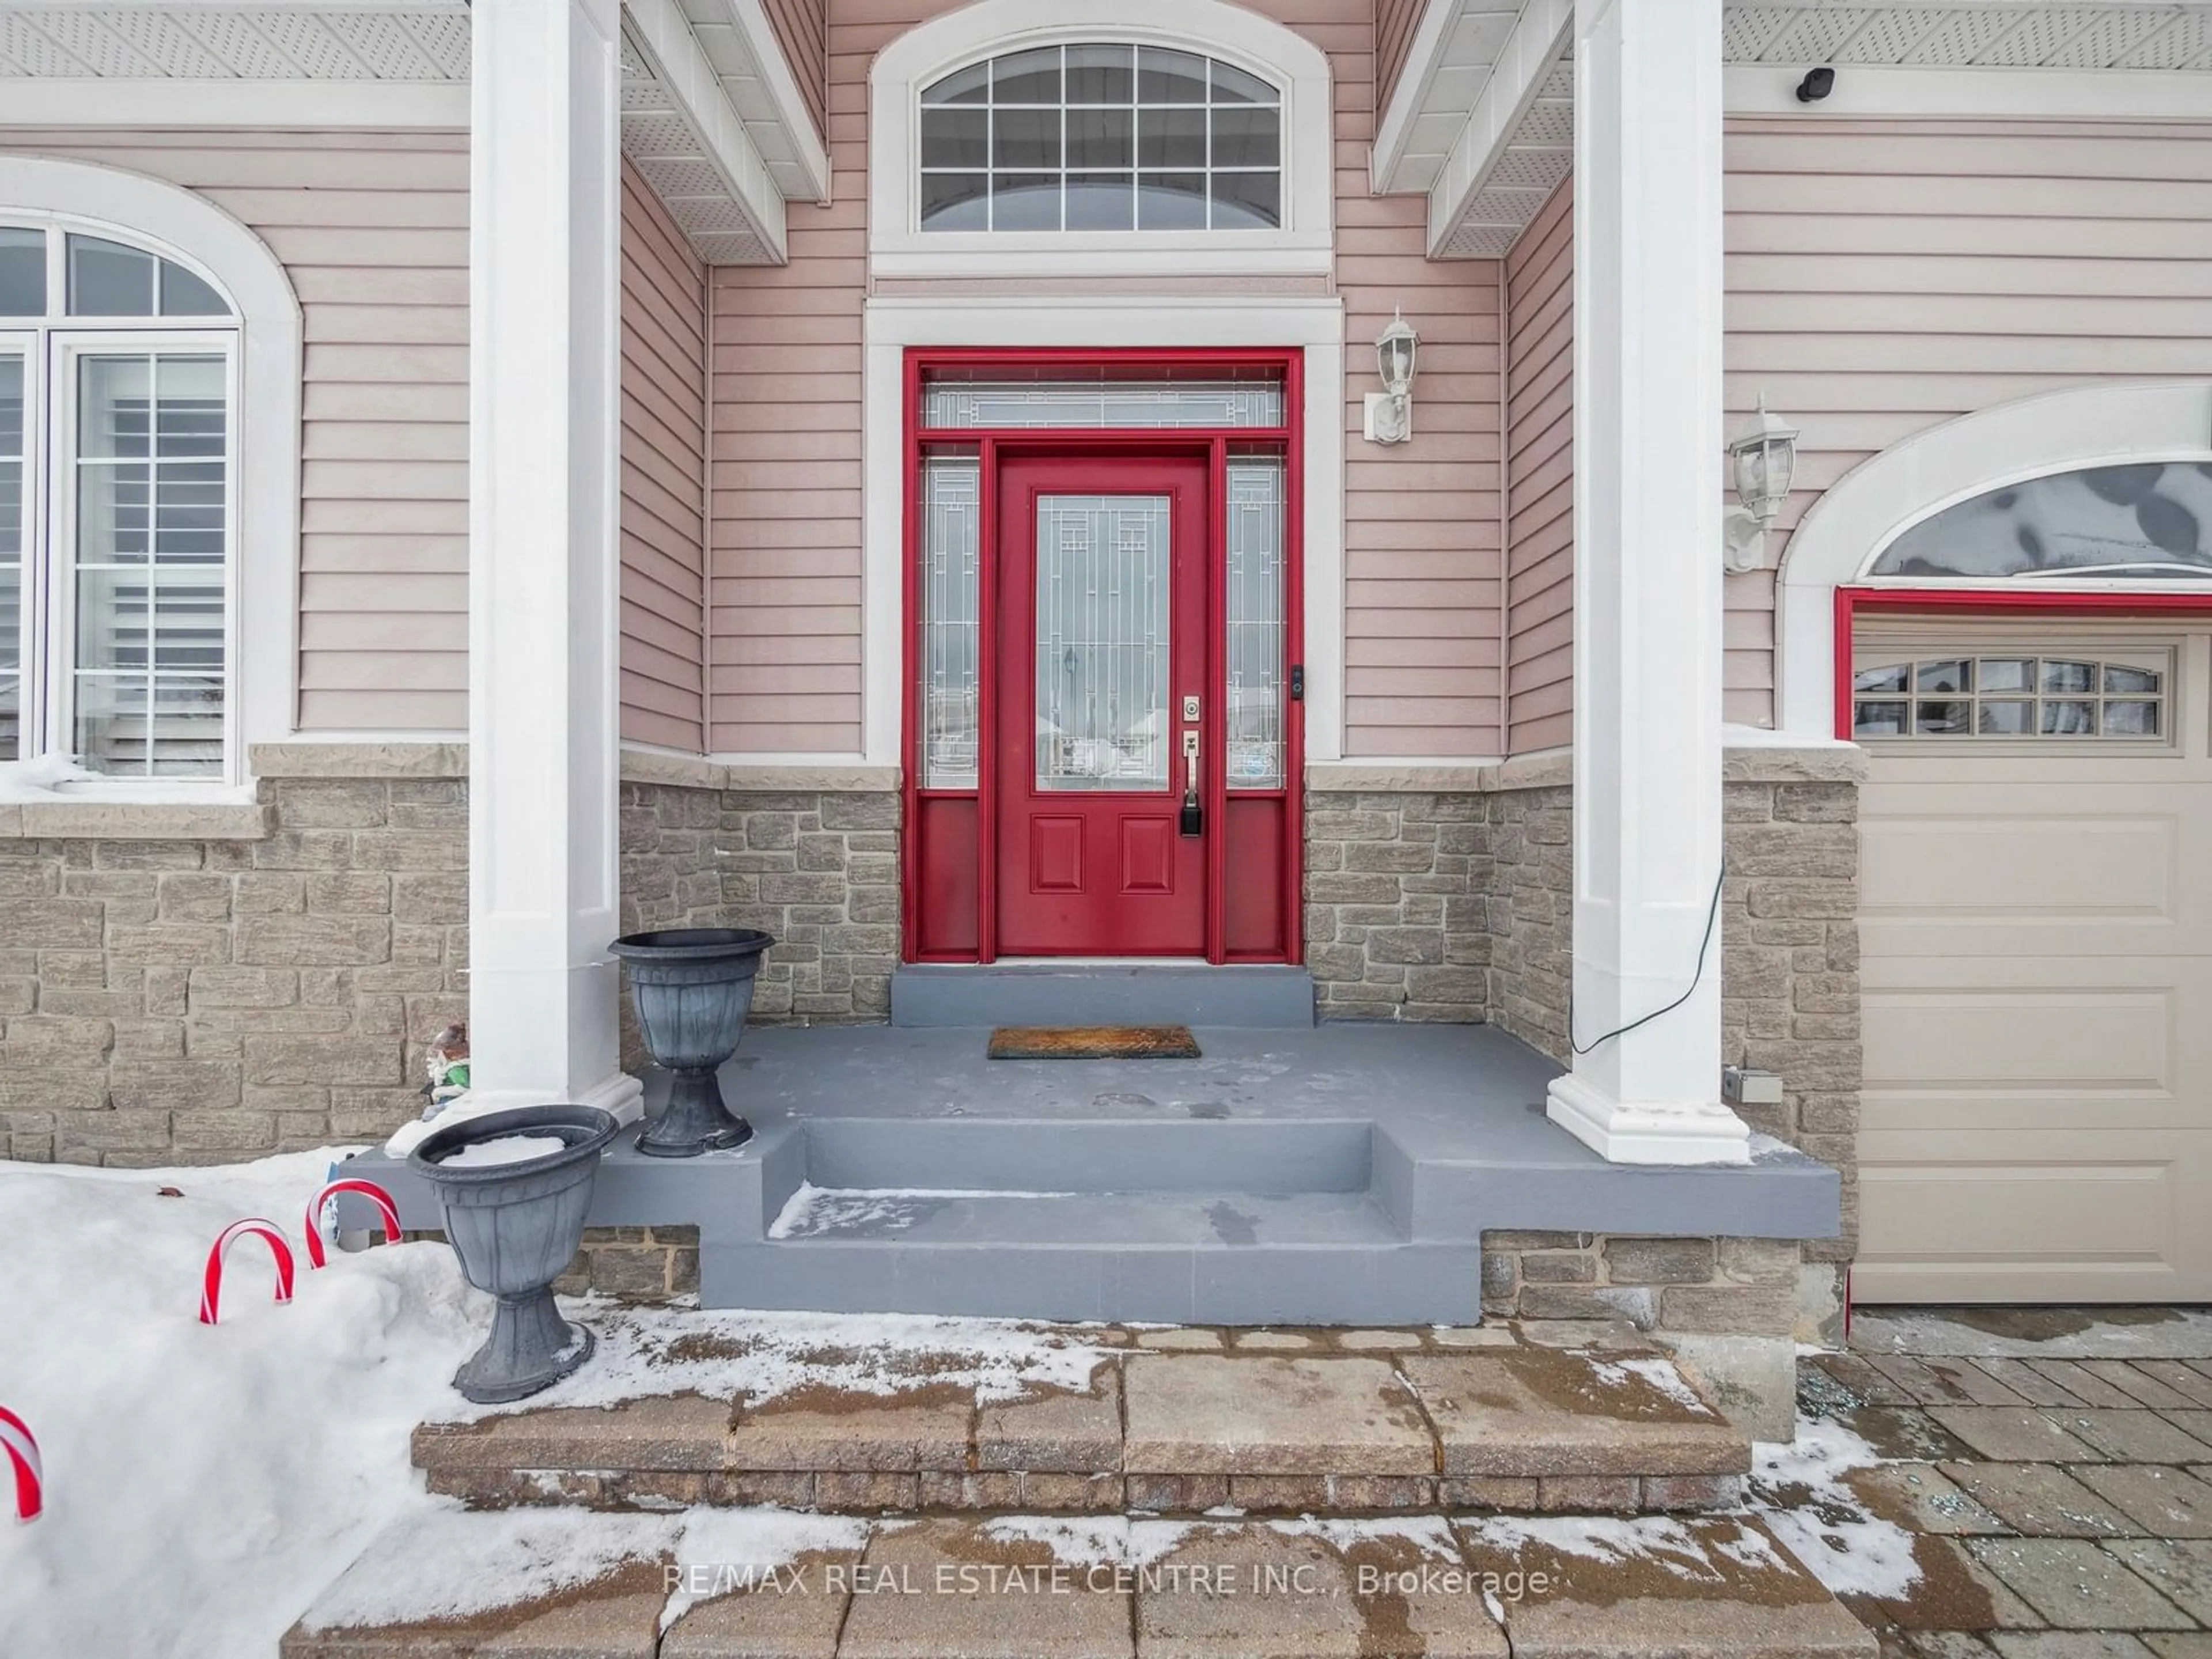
{"points": [[117, 515], [1100, 136]]}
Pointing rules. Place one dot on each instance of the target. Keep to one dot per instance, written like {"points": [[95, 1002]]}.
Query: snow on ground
{"points": [[225, 1475], [1799, 1491]]}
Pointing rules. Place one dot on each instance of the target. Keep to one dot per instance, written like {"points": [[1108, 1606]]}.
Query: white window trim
{"points": [[898, 246], [264, 567], [891, 326], [1848, 528]]}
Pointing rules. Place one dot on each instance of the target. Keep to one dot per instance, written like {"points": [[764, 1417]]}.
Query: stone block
{"points": [[286, 1060], [313, 941], [1268, 1414], [349, 892], [174, 1085], [1659, 1261], [921, 1429], [1056, 1433]]}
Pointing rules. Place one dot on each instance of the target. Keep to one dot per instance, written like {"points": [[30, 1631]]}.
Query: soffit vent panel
{"points": [[2121, 35], [427, 41], [674, 157]]}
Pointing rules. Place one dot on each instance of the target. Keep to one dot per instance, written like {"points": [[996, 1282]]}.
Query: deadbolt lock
{"points": [[1190, 708]]}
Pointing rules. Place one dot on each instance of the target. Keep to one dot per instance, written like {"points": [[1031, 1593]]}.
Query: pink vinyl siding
{"points": [[373, 229], [802, 30], [1540, 480], [1395, 21], [1423, 536], [664, 477], [1887, 275]]}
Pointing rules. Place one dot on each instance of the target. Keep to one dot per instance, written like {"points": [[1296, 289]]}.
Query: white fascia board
{"points": [[2029, 93], [662, 28], [750, 18], [1422, 55], [116, 101], [1530, 51]]}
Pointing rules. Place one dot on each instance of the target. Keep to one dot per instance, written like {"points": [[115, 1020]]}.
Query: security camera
{"points": [[1817, 84]]}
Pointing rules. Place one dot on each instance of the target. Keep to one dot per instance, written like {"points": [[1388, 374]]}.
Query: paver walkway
{"points": [[2052, 1469]]}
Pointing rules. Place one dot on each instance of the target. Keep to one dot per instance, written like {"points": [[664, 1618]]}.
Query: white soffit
{"points": [[680, 131], [1966, 57], [224, 40], [1448, 63], [740, 45]]}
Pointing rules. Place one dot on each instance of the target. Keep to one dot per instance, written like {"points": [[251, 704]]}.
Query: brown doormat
{"points": [[1093, 1042]]}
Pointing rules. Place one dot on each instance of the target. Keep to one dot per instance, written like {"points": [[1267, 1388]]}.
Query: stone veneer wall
{"points": [[809, 855], [202, 984]]}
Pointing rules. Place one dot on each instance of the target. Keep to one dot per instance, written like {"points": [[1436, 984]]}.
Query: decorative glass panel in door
{"points": [[1102, 642]]}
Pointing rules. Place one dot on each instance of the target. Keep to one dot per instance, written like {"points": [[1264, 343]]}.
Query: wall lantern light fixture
{"points": [[1390, 411], [1761, 458]]}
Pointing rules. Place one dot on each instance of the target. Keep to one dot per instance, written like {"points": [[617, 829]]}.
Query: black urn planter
{"points": [[515, 1225], [693, 988]]}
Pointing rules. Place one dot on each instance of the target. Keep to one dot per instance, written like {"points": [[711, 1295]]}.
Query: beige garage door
{"points": [[2037, 953]]}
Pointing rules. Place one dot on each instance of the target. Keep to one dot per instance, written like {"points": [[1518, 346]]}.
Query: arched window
{"points": [[2149, 519], [1100, 136], [118, 520]]}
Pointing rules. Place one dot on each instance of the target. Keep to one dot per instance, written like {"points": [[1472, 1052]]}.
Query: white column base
{"points": [[621, 1094], [1626, 1132]]}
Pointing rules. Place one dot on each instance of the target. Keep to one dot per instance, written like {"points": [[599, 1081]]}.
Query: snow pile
{"points": [[507, 1149], [204, 1481], [39, 779], [813, 1211], [673, 1350], [1660, 1539], [1659, 1373], [1798, 1490]]}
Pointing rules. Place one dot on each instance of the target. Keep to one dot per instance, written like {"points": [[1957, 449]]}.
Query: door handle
{"points": [[1193, 814]]}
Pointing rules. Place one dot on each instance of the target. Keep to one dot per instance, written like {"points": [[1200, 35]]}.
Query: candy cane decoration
{"points": [[370, 1190], [211, 1285], [23, 1454]]}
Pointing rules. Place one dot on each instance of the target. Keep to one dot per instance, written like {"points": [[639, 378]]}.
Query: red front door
{"points": [[1102, 723]]}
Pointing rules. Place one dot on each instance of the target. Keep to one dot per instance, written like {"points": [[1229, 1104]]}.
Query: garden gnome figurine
{"points": [[448, 1062]]}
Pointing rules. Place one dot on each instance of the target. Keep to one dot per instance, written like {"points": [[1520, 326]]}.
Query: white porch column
{"points": [[1648, 455], [545, 216]]}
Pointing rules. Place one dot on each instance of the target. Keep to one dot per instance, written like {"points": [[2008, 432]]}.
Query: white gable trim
{"points": [[1305, 244], [1877, 501], [266, 579]]}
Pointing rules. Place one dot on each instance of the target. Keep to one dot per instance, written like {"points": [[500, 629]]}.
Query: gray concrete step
{"points": [[676, 1586], [1101, 993], [1207, 1257]]}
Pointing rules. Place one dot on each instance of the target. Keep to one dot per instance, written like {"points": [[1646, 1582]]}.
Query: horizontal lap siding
{"points": [[1539, 474], [801, 29], [1424, 540], [664, 462], [372, 229], [1423, 536], [1396, 22], [1884, 277]]}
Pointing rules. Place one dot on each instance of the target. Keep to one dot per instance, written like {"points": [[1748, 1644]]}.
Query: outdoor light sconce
{"points": [[1762, 456], [1390, 411]]}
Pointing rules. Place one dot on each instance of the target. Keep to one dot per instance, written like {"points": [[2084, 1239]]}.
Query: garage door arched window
{"points": [[2148, 519], [118, 517], [1099, 136]]}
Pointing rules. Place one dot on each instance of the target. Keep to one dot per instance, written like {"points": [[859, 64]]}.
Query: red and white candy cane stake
{"points": [[317, 1256], [211, 1285], [23, 1454]]}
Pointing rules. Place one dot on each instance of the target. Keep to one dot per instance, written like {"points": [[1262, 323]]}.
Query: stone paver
{"points": [[1921, 1497], [1204, 1414], [1548, 1412], [2084, 1384], [1474, 1336], [1375, 1341], [2161, 1502], [2142, 1386], [2040, 1499], [2132, 1436], [924, 1429], [2192, 1381], [1180, 1340], [2068, 1644], [1057, 1433], [1267, 1592], [2076, 1586], [2007, 1435], [2031, 1383], [937, 1588], [794, 1614], [674, 1433], [1712, 1586], [1952, 1592], [2182, 1644], [2182, 1569], [1273, 1341]]}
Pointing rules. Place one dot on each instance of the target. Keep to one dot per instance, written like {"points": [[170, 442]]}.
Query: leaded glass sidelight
{"points": [[951, 630], [11, 554], [1102, 641], [1100, 136], [1256, 623], [2148, 520]]}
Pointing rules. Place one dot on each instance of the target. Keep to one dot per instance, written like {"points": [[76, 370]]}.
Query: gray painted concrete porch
{"points": [[1341, 1174]]}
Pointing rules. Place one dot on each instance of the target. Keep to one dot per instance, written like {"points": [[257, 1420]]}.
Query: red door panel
{"points": [[1102, 635]]}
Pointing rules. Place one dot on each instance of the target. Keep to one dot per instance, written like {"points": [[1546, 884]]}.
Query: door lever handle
{"points": [[1193, 821]]}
